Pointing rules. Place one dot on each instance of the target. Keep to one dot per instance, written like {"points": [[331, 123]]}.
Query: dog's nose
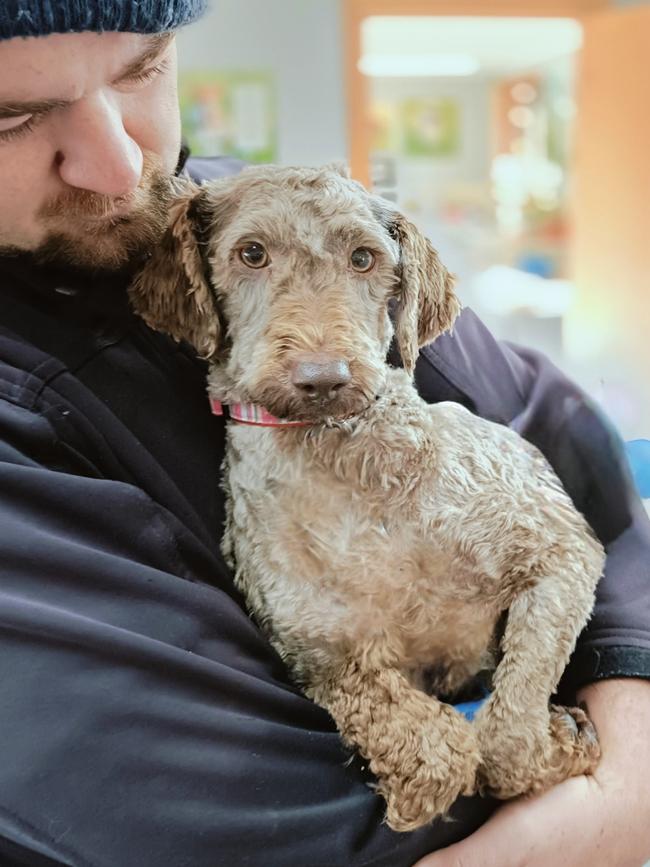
{"points": [[320, 375]]}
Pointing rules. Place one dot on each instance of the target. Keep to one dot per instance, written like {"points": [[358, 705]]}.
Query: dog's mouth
{"points": [[317, 410]]}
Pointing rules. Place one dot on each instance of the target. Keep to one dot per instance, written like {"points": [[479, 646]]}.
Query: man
{"points": [[144, 720]]}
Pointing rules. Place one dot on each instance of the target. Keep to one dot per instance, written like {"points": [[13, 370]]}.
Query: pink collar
{"points": [[250, 413]]}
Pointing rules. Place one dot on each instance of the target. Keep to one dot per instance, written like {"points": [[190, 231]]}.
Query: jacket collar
{"points": [[66, 291]]}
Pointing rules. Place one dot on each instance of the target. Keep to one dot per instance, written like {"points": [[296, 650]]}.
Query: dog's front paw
{"points": [[575, 748], [442, 766], [517, 759]]}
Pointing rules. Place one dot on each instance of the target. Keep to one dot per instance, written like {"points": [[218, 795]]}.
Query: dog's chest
{"points": [[323, 562]]}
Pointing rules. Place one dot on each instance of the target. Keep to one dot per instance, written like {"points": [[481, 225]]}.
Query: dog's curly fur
{"points": [[381, 545]]}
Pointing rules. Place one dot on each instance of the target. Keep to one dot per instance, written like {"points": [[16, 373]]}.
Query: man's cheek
{"points": [[156, 126]]}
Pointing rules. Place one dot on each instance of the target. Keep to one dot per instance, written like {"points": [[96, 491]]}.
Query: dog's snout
{"points": [[320, 376]]}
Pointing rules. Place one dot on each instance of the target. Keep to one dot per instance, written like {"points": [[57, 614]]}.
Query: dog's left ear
{"points": [[427, 303]]}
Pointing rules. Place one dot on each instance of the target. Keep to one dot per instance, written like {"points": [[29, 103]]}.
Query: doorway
{"points": [[513, 133]]}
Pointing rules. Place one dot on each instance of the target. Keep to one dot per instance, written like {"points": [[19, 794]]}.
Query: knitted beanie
{"points": [[40, 17]]}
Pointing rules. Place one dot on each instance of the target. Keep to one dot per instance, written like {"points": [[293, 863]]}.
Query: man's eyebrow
{"points": [[157, 44], [155, 47]]}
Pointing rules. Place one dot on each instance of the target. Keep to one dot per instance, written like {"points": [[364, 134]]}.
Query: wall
{"points": [[301, 42]]}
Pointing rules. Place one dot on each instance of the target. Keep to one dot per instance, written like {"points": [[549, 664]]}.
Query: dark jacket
{"points": [[144, 721]]}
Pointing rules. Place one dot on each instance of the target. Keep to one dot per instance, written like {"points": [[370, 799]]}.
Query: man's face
{"points": [[89, 137]]}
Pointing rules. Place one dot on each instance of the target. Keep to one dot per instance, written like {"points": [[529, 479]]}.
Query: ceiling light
{"points": [[417, 65]]}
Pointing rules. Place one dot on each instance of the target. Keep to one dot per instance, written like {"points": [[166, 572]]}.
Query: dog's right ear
{"points": [[172, 291]]}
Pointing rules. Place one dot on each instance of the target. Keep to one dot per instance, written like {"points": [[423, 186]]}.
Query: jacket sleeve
{"points": [[522, 388], [589, 456], [144, 720]]}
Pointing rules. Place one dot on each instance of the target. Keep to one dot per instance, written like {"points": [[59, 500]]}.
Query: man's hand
{"points": [[598, 821]]}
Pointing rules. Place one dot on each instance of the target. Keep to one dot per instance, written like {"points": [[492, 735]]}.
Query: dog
{"points": [[391, 550]]}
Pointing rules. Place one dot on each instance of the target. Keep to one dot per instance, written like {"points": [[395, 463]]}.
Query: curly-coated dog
{"points": [[379, 541]]}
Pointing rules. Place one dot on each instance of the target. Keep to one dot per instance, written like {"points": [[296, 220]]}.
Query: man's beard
{"points": [[82, 234]]}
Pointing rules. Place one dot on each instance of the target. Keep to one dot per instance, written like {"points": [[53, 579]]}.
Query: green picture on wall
{"points": [[431, 127], [231, 113]]}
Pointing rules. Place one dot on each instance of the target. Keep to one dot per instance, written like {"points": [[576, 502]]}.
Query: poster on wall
{"points": [[230, 113], [430, 127]]}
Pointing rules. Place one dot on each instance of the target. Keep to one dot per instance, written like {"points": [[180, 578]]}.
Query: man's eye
{"points": [[362, 259], [254, 255], [12, 127], [147, 74]]}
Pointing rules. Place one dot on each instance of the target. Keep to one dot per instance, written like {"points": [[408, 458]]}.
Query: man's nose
{"points": [[96, 153]]}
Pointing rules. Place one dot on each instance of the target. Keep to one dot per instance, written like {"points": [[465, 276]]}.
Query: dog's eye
{"points": [[254, 255], [362, 259]]}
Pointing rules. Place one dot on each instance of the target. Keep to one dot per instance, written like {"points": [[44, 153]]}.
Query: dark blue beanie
{"points": [[40, 17]]}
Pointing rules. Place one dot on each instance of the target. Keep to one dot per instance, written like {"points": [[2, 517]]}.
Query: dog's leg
{"points": [[423, 753], [527, 746]]}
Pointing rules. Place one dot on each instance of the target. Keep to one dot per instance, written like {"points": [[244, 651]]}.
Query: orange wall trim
{"points": [[610, 317]]}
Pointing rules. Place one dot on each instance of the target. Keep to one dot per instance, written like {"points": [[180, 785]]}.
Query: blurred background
{"points": [[515, 133]]}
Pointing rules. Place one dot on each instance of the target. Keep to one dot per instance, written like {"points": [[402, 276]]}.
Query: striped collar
{"points": [[250, 413]]}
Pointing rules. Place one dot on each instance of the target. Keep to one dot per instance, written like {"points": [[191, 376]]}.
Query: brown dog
{"points": [[380, 541]]}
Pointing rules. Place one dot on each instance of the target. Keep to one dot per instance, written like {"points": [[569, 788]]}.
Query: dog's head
{"points": [[292, 283]]}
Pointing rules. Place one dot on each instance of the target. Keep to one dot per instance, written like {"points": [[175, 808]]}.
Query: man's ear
{"points": [[172, 291], [427, 304]]}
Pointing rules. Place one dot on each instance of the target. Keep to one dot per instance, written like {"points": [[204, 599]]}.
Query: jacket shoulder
{"points": [[470, 366], [202, 169]]}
